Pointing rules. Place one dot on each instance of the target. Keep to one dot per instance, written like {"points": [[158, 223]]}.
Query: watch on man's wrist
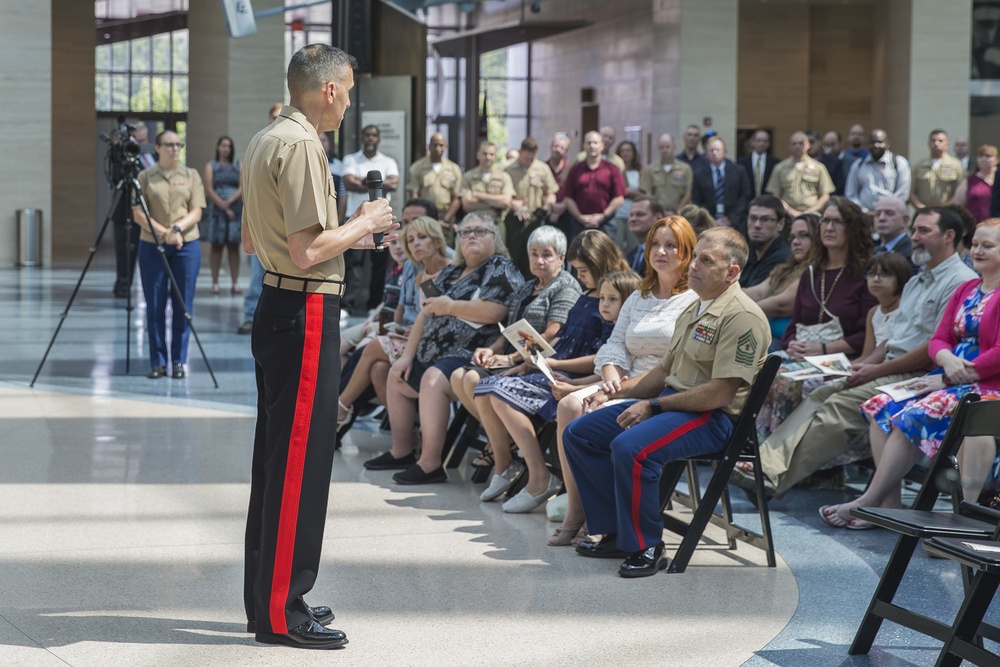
{"points": [[177, 228], [654, 405]]}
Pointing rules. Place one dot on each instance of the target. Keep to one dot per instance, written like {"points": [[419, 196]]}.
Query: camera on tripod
{"points": [[122, 158]]}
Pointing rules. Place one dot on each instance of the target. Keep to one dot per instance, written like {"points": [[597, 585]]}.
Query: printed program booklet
{"points": [[530, 344], [823, 365], [900, 391]]}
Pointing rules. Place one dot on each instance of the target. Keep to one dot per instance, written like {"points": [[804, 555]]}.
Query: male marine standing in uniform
{"points": [[290, 223], [685, 408]]}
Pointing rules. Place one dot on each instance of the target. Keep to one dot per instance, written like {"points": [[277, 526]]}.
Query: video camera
{"points": [[122, 158]]}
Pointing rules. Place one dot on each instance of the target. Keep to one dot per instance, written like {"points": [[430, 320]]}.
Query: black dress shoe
{"points": [[178, 373], [644, 563], [386, 461], [416, 475], [156, 372], [308, 635], [323, 616], [606, 548]]}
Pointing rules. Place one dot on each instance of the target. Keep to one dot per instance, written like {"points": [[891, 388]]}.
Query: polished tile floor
{"points": [[122, 504]]}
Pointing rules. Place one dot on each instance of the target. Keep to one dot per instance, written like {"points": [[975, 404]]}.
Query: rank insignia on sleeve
{"points": [[705, 333], [746, 349]]}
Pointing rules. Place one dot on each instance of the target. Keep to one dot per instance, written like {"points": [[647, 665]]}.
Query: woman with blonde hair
{"points": [[425, 246]]}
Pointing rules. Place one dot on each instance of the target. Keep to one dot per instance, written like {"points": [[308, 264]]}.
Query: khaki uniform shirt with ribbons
{"points": [[495, 182], [935, 185], [729, 340], [170, 196], [668, 186], [800, 187], [533, 183], [288, 188], [440, 186]]}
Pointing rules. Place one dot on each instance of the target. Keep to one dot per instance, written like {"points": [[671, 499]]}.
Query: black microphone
{"points": [[374, 183]]}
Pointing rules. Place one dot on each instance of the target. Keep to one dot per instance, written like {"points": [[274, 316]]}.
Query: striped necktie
{"points": [[720, 185]]}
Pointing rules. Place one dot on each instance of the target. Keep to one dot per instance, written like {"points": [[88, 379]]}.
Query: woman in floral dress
{"points": [[966, 347]]}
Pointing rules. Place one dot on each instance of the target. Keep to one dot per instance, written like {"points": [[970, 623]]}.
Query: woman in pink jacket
{"points": [[966, 348]]}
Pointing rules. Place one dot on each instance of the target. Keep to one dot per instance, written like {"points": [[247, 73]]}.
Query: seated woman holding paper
{"points": [[475, 291], [427, 251], [544, 302], [966, 346], [831, 306], [506, 402], [639, 341], [776, 295]]}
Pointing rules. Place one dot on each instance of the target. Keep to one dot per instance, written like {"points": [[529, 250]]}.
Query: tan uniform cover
{"points": [[170, 196], [669, 187], [729, 340], [438, 186], [800, 188], [532, 183], [935, 186], [287, 188], [499, 183]]}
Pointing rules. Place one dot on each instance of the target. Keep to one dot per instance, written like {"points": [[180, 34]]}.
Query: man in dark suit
{"points": [[759, 163], [831, 161], [891, 220], [723, 188]]}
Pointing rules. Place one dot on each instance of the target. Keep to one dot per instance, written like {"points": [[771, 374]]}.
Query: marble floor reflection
{"points": [[122, 504]]}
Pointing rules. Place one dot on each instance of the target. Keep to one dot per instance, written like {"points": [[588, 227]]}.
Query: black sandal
{"points": [[485, 460]]}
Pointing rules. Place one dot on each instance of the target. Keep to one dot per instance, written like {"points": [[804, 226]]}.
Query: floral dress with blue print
{"points": [[925, 419]]}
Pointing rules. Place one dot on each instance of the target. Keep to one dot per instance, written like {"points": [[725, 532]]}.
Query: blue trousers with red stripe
{"points": [[618, 471], [296, 347]]}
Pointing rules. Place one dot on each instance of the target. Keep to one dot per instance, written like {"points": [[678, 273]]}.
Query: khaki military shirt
{"points": [[729, 340], [440, 186], [288, 188], [800, 185], [935, 185], [533, 183], [495, 182], [670, 187], [170, 196]]}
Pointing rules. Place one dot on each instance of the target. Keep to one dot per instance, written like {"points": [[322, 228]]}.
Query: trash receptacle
{"points": [[29, 237]]}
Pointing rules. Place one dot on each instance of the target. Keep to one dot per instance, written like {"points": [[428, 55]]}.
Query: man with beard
{"points": [[767, 247], [881, 174], [821, 428]]}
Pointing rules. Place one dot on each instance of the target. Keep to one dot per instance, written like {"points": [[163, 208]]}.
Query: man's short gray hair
{"points": [[548, 236], [315, 64], [734, 246]]}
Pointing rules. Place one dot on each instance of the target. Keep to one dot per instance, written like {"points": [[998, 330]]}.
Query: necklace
{"points": [[824, 297]]}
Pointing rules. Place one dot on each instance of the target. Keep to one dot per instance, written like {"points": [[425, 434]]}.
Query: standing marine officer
{"points": [[290, 223]]}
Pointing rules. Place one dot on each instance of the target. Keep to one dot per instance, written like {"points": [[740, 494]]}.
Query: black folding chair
{"points": [[966, 521], [742, 446], [462, 435], [963, 639]]}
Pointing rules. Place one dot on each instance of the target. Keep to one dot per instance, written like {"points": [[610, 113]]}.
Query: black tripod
{"points": [[129, 189]]}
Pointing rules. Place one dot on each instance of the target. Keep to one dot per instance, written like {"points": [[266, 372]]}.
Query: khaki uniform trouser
{"points": [[818, 431]]}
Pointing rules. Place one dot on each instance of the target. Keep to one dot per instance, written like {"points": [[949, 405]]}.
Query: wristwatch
{"points": [[177, 228], [654, 405]]}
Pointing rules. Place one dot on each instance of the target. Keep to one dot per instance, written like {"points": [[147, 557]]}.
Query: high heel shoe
{"points": [[347, 409], [563, 537]]}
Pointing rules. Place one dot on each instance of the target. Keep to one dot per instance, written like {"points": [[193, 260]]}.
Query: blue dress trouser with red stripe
{"points": [[296, 347], [618, 471]]}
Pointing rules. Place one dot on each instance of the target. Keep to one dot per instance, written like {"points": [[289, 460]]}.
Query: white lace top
{"points": [[642, 333], [882, 322]]}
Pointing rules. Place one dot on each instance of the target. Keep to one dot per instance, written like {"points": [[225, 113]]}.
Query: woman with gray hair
{"points": [[544, 301], [473, 297]]}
